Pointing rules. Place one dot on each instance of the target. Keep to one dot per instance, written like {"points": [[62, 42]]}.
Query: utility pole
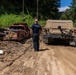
{"points": [[23, 7], [37, 9]]}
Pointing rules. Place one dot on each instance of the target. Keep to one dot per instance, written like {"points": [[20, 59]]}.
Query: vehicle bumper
{"points": [[57, 36]]}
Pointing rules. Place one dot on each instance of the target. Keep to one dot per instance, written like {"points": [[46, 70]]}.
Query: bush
{"points": [[8, 19]]}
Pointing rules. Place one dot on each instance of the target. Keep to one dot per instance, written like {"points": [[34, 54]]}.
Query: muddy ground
{"points": [[21, 59]]}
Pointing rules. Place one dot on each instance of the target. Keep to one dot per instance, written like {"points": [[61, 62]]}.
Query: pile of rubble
{"points": [[11, 51]]}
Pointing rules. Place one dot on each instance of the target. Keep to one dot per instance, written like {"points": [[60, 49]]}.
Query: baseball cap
{"points": [[36, 19]]}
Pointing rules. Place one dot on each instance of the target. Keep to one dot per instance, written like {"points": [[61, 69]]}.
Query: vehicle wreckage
{"points": [[59, 30], [17, 31]]}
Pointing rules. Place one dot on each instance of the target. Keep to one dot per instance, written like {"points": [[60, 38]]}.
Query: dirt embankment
{"points": [[12, 51], [20, 59]]}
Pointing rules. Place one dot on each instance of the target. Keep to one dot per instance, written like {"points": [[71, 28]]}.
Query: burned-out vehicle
{"points": [[59, 30], [18, 31], [2, 33]]}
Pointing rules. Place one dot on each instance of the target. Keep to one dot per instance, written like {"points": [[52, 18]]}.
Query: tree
{"points": [[47, 8], [73, 10], [66, 15]]}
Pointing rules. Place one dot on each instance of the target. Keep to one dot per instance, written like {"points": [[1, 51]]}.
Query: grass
{"points": [[8, 19]]}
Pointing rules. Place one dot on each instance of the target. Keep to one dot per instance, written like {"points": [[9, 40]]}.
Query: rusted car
{"points": [[18, 31]]}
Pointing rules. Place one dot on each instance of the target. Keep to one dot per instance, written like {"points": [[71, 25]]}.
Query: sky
{"points": [[65, 5]]}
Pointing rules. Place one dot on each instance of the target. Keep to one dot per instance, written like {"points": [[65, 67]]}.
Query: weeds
{"points": [[8, 19]]}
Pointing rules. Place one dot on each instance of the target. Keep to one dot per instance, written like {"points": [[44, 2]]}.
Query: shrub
{"points": [[8, 19]]}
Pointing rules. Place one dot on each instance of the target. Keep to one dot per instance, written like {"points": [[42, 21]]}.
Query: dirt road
{"points": [[50, 60]]}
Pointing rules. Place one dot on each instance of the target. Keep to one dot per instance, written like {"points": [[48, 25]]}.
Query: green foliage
{"points": [[47, 8], [42, 23], [66, 15], [28, 19], [73, 10], [70, 14], [63, 17], [75, 23], [9, 19]]}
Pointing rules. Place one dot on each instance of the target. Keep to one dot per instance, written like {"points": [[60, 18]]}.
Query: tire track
{"points": [[50, 60]]}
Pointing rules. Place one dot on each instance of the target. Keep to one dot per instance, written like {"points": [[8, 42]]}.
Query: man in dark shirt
{"points": [[35, 32]]}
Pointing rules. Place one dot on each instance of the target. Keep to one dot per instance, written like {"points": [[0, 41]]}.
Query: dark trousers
{"points": [[36, 42]]}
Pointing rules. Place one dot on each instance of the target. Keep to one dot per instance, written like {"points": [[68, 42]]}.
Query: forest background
{"points": [[13, 11]]}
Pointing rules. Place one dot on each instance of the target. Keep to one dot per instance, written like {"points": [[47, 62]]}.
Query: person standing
{"points": [[35, 31]]}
